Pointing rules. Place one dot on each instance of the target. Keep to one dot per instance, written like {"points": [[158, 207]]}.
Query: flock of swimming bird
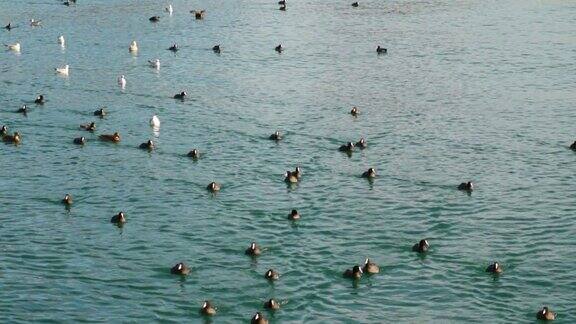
{"points": [[254, 250]]}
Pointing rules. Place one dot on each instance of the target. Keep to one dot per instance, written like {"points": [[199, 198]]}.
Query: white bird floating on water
{"points": [[155, 63], [35, 23], [122, 81], [155, 122], [13, 47], [62, 70], [61, 41], [133, 47], [169, 9]]}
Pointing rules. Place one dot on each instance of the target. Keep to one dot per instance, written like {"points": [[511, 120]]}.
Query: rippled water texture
{"points": [[469, 90]]}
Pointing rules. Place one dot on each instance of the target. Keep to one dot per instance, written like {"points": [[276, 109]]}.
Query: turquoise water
{"points": [[469, 90]]}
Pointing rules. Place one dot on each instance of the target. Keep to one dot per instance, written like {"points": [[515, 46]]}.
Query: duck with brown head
{"points": [[15, 139], [115, 138]]}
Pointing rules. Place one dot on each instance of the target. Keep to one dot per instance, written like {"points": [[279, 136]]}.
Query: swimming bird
{"points": [[122, 81], [282, 8], [208, 309], [297, 172], [13, 47], [271, 275], [110, 138], [573, 146], [195, 154], [35, 23], [276, 136], [216, 49], [62, 70], [61, 41], [180, 269], [100, 112], [354, 273], [154, 63], [133, 47], [381, 50], [370, 267], [362, 144], [279, 48], [213, 187], [354, 4], [89, 127], [466, 186], [12, 138], [546, 314], [272, 304], [118, 219], [80, 140], [354, 112], [155, 121], [23, 110], [67, 200], [253, 250], [494, 268], [169, 9], [198, 14], [421, 246], [39, 100], [289, 177], [181, 95], [371, 173], [149, 145], [294, 215], [3, 130], [282, 2], [348, 148], [174, 48], [258, 318], [9, 26], [154, 19]]}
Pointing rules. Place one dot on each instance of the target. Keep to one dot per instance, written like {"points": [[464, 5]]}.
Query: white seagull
{"points": [[155, 122], [13, 47], [62, 70], [169, 9], [133, 47], [155, 64], [61, 41], [122, 81]]}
